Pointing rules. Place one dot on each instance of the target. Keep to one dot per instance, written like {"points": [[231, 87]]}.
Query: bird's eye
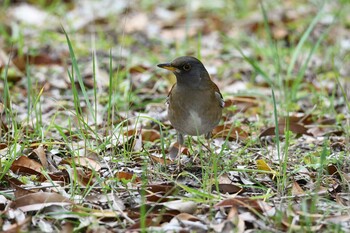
{"points": [[187, 67]]}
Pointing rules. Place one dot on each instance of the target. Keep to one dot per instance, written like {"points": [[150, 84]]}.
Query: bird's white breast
{"points": [[195, 118], [195, 123]]}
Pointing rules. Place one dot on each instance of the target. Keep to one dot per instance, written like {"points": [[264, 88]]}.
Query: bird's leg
{"points": [[180, 138], [208, 137], [175, 150], [180, 141]]}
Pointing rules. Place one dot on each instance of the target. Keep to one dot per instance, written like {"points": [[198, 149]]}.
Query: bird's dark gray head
{"points": [[188, 71]]}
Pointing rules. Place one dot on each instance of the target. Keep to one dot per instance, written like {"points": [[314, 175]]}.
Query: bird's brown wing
{"points": [[218, 95], [167, 98]]}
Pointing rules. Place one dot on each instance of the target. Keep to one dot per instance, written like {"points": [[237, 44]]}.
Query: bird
{"points": [[194, 102]]}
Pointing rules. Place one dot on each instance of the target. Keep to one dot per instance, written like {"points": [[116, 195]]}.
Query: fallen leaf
{"points": [[187, 217], [149, 135], [128, 176], [41, 59], [164, 188], [228, 188], [333, 170], [183, 206], [229, 132], [56, 176], [338, 219], [243, 101], [25, 165], [3, 146], [293, 126], [40, 200], [159, 192], [84, 162], [161, 160], [148, 222], [17, 186], [40, 152], [251, 204], [296, 189], [263, 166]]}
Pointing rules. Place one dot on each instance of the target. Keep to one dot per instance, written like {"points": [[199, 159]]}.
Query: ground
{"points": [[85, 142]]}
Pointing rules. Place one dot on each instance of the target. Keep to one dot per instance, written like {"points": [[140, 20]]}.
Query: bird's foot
{"points": [[174, 152]]}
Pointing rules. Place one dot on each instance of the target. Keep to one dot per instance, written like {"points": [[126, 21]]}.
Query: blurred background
{"points": [[243, 44]]}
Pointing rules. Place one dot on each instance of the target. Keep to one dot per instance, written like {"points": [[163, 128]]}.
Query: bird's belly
{"points": [[192, 122], [195, 124], [194, 112]]}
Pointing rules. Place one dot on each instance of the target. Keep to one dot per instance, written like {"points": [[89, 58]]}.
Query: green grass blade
{"points": [[256, 67], [78, 75], [302, 41]]}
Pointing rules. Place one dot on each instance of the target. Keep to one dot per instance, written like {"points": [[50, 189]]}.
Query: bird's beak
{"points": [[167, 66]]}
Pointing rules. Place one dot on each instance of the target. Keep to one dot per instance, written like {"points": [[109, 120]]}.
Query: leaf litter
{"points": [[112, 172]]}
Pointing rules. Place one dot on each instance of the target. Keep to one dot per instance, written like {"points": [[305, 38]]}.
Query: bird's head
{"points": [[188, 71]]}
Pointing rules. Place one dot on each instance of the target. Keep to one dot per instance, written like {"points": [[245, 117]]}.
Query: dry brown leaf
{"points": [[62, 176], [253, 205], [164, 188], [293, 126], [40, 152], [183, 206], [229, 132], [332, 170], [224, 179], [134, 213], [228, 188], [128, 176], [40, 200], [296, 189], [25, 165], [40, 59], [187, 217], [157, 214], [297, 118], [3, 146], [243, 102], [159, 192], [324, 130], [161, 160], [149, 135], [83, 177], [84, 162], [236, 219], [338, 219], [13, 180], [157, 197], [17, 186], [149, 221]]}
